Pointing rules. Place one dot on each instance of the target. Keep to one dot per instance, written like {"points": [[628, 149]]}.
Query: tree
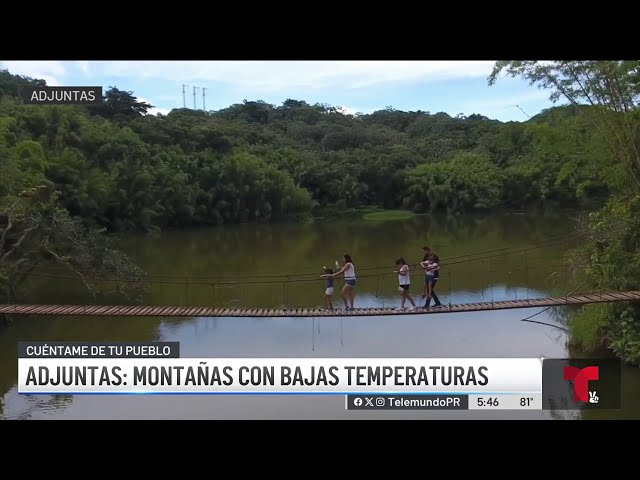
{"points": [[461, 184], [36, 232], [120, 104], [10, 85], [607, 94], [610, 88]]}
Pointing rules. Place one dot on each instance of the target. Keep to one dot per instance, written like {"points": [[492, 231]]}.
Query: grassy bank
{"points": [[364, 213], [388, 215]]}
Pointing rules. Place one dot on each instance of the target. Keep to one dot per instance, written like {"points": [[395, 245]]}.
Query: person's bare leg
{"points": [[345, 295], [408, 295]]}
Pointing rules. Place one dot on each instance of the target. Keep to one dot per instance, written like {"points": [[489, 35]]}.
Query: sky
{"points": [[454, 87]]}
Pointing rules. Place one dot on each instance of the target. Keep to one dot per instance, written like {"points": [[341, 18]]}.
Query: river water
{"points": [[513, 260]]}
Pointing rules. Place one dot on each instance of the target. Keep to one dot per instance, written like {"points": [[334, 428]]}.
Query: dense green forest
{"points": [[122, 169], [70, 173]]}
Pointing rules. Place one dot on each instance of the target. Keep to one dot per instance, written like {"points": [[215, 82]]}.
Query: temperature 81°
{"points": [[526, 401]]}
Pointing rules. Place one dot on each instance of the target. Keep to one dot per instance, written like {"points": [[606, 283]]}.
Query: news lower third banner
{"points": [[366, 383]]}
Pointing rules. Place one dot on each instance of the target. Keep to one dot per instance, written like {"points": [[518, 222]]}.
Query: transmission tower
{"points": [[184, 98], [203, 107], [194, 97]]}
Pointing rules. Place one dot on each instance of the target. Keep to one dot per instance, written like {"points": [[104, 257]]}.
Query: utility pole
{"points": [[194, 97], [184, 98], [203, 108]]}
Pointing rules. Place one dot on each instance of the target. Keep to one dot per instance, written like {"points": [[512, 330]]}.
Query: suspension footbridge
{"points": [[200, 311], [217, 307]]}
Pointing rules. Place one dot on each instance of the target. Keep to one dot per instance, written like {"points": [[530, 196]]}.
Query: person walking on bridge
{"points": [[348, 290], [328, 291], [404, 282], [426, 252], [433, 274]]}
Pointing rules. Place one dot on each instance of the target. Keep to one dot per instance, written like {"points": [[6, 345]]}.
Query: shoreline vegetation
{"points": [[73, 174], [386, 215]]}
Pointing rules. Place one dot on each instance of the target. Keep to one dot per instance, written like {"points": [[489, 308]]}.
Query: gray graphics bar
{"points": [[62, 95], [407, 402], [98, 349]]}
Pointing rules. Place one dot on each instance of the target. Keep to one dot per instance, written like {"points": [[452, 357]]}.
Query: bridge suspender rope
{"points": [[526, 274]]}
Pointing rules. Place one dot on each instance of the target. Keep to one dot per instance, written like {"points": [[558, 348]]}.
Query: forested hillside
{"points": [[122, 169]]}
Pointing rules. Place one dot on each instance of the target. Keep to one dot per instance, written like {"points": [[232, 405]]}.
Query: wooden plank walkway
{"points": [[195, 311]]}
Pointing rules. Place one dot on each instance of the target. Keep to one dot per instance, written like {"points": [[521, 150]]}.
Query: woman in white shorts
{"points": [[349, 290]]}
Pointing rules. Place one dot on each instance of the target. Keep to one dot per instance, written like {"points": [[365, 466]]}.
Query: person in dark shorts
{"points": [[432, 268], [404, 282], [426, 252]]}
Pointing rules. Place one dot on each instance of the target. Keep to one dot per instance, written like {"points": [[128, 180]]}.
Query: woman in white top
{"points": [[349, 289], [404, 282]]}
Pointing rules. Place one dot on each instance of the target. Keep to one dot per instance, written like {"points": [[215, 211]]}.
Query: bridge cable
{"points": [[289, 280], [528, 319], [222, 284]]}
